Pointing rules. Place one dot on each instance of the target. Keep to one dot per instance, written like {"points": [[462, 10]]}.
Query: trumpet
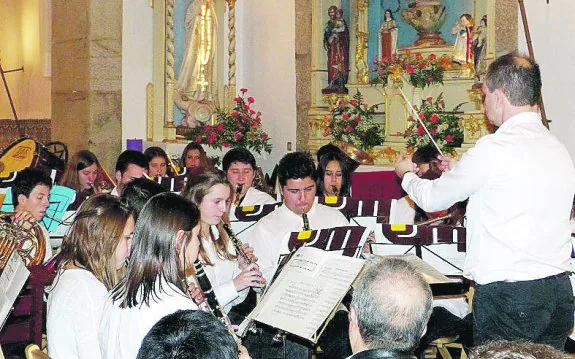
{"points": [[239, 188]]}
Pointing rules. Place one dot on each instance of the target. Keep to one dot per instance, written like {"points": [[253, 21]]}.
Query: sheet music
{"points": [[307, 290], [430, 274], [12, 280]]}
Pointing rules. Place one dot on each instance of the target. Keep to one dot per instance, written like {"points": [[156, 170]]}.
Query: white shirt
{"points": [[520, 182], [122, 329], [222, 274], [252, 197], [271, 234], [75, 306]]}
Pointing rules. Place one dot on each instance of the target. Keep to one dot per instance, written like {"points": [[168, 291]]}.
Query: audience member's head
{"points": [[100, 238], [390, 308], [158, 162], [138, 192], [194, 156], [296, 175], [239, 166], [188, 334], [81, 171], [130, 165], [512, 81], [504, 349], [31, 192], [165, 243]]}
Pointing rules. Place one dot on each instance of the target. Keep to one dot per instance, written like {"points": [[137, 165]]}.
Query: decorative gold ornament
{"points": [[332, 99]]}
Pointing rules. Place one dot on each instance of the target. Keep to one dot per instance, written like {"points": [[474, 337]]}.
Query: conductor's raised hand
{"points": [[249, 277], [446, 163], [404, 165]]}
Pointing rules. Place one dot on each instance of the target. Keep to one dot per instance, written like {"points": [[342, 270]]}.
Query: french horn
{"points": [[28, 240]]}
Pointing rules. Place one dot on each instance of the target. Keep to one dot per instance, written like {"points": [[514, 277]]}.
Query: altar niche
{"points": [[470, 32]]}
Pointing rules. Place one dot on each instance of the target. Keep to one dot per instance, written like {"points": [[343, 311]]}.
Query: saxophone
{"points": [[211, 304]]}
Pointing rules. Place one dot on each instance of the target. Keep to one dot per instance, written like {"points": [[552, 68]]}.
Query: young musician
{"points": [[158, 162], [270, 236], [228, 272], [31, 198], [239, 166], [93, 256], [138, 192], [334, 171], [194, 156], [130, 164], [165, 243], [80, 175]]}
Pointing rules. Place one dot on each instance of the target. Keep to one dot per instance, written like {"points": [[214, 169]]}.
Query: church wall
{"points": [[551, 25], [137, 56], [23, 33]]}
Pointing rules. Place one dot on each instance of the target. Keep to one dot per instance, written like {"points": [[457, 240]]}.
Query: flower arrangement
{"points": [[443, 126], [241, 127], [352, 121], [421, 71]]}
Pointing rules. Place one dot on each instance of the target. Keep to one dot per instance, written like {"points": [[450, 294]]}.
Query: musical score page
{"points": [[307, 290], [12, 280]]}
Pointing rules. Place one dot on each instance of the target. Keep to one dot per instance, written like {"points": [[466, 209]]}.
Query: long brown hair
{"points": [[78, 162], [204, 162], [195, 190], [94, 237], [154, 255]]}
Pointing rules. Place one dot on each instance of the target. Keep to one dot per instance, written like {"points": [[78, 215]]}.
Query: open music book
{"points": [[306, 292], [12, 280]]}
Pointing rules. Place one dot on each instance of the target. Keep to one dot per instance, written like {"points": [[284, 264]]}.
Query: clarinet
{"points": [[237, 243], [334, 190], [239, 188], [211, 305], [305, 222]]}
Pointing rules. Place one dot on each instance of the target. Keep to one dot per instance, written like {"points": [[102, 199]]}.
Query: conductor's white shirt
{"points": [[520, 183]]}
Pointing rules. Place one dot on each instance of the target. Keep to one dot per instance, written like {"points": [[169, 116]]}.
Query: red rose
{"points": [[432, 57], [254, 123], [418, 54], [420, 130], [346, 116], [246, 107], [349, 128], [353, 102], [239, 125], [429, 99], [244, 90], [198, 139], [212, 137], [251, 100], [421, 116], [207, 128], [264, 136], [449, 138], [410, 69], [433, 132], [238, 136], [434, 118], [252, 112], [238, 99], [226, 145], [244, 116], [235, 114], [220, 127], [357, 119]]}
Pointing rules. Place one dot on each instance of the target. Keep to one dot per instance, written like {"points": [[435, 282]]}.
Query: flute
{"points": [[211, 305]]}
